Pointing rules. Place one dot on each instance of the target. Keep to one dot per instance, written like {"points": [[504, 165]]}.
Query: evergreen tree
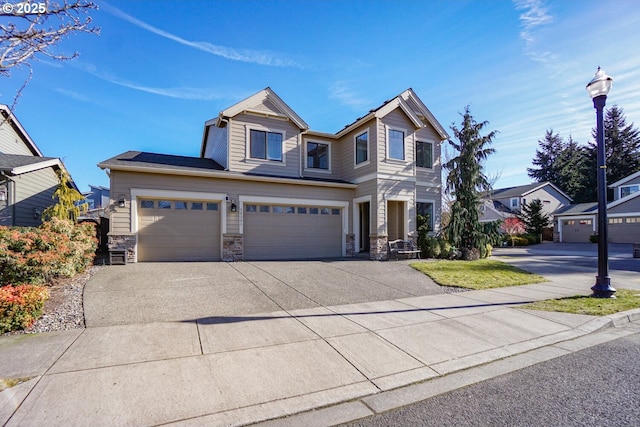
{"points": [[466, 182], [547, 159], [534, 218], [66, 207], [622, 146]]}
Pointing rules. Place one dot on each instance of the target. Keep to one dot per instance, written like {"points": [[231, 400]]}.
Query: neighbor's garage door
{"points": [[177, 230], [624, 230], [577, 230], [291, 232]]}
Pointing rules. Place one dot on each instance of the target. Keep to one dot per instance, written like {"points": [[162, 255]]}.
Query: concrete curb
{"points": [[594, 332]]}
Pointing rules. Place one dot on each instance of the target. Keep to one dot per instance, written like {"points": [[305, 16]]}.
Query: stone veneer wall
{"points": [[124, 242], [351, 245], [232, 247], [378, 247]]}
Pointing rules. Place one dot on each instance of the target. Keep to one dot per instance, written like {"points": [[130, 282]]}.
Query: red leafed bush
{"points": [[57, 248], [20, 306]]}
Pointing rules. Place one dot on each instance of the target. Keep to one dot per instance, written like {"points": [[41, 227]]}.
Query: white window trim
{"points": [[355, 150], [404, 145], [247, 155], [290, 201], [174, 194], [561, 219], [433, 220], [517, 205], [407, 205], [627, 186], [329, 148], [432, 151]]}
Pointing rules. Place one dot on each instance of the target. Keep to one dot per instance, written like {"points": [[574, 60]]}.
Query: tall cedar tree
{"points": [[534, 218], [466, 182]]}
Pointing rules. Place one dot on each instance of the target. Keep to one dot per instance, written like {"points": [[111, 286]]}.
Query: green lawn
{"points": [[481, 274], [625, 300]]}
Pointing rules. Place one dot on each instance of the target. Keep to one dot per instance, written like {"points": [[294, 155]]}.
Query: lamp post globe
{"points": [[598, 89]]}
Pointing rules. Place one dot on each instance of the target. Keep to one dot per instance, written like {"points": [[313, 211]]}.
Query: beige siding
{"points": [[550, 198], [10, 141], [349, 171], [396, 120], [123, 182], [239, 127], [33, 190]]}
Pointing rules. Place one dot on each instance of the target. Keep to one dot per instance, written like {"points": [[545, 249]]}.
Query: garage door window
{"points": [[633, 220], [164, 204], [615, 220], [335, 211], [302, 210], [181, 205], [264, 209], [212, 206], [147, 204], [313, 211], [290, 210], [196, 206]]}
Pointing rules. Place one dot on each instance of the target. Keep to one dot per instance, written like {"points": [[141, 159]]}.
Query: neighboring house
{"points": [[27, 178], [507, 202], [97, 197], [267, 187], [576, 223]]}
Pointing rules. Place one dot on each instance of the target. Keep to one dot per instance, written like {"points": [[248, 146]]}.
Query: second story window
{"points": [[424, 154], [629, 189], [265, 145], [515, 202], [396, 144], [362, 148], [317, 155]]}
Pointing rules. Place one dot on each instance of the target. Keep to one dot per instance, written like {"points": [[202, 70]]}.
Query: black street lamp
{"points": [[598, 88]]}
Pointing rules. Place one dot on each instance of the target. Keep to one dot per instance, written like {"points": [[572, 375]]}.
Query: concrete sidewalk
{"points": [[243, 369]]}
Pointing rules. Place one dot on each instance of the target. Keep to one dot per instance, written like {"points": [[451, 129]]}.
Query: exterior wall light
{"points": [[234, 208], [122, 201]]}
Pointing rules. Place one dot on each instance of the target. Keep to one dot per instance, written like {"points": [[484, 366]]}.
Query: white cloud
{"points": [[242, 55], [534, 17], [187, 93], [73, 95], [345, 96]]}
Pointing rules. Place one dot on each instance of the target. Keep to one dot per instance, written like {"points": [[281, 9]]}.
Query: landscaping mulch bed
{"points": [[63, 310]]}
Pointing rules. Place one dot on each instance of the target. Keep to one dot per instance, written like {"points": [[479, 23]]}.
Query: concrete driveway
{"points": [[162, 292]]}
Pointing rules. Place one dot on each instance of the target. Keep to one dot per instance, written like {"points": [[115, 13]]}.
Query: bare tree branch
{"points": [[27, 36]]}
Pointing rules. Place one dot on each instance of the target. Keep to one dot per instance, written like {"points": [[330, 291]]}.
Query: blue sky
{"points": [[160, 69]]}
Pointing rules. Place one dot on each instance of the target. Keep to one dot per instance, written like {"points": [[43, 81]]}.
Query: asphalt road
{"points": [[598, 386]]}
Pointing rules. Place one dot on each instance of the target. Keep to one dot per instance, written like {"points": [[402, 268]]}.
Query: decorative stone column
{"points": [[232, 247], [378, 247], [123, 242], [351, 245]]}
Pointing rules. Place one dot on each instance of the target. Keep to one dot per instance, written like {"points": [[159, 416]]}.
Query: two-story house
{"points": [[506, 202], [576, 223], [28, 179], [266, 186]]}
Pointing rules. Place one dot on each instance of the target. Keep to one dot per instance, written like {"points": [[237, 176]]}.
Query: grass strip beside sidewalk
{"points": [[480, 274], [625, 299]]}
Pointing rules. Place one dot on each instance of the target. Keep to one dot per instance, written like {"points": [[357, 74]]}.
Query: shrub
{"points": [[531, 238], [20, 306], [594, 238], [446, 250], [57, 248], [430, 247]]}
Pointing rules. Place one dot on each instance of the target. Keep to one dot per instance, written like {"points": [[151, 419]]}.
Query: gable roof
{"points": [[625, 179], [523, 190], [8, 115], [17, 164], [247, 105], [410, 104]]}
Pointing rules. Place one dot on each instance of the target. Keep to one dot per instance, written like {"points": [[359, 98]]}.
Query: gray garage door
{"points": [[577, 230], [624, 230], [291, 232], [178, 230]]}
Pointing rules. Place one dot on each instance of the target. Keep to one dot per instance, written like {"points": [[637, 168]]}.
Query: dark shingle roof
{"points": [[160, 161], [166, 162], [516, 191], [578, 208], [8, 162]]}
